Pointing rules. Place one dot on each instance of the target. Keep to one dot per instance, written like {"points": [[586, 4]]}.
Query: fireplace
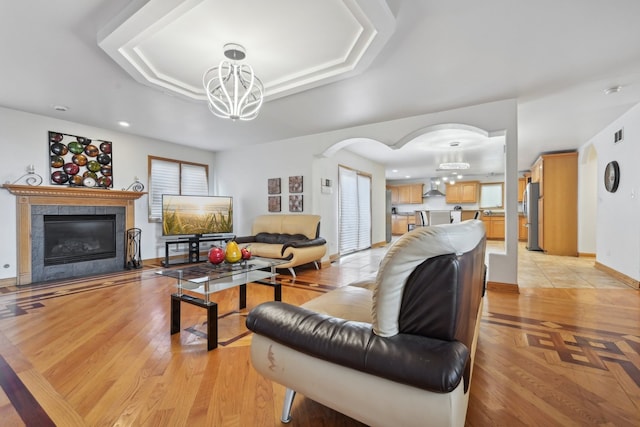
{"points": [[77, 238], [65, 241], [33, 203]]}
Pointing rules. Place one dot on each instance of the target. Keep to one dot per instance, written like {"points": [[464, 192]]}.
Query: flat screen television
{"points": [[196, 215]]}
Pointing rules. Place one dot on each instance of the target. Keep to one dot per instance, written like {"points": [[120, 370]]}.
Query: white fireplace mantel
{"points": [[27, 196]]}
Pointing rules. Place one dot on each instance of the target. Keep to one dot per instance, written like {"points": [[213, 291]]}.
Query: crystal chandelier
{"points": [[233, 90]]}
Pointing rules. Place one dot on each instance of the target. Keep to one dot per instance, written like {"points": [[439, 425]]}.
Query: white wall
{"points": [[244, 172], [304, 156], [618, 226], [23, 138], [587, 199]]}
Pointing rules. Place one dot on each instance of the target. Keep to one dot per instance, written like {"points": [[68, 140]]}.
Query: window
{"points": [[491, 195], [168, 176]]}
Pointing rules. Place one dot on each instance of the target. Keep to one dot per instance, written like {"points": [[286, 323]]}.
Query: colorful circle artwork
{"points": [[73, 158], [79, 159]]}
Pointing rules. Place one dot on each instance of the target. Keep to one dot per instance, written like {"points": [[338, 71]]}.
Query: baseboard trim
{"points": [[9, 281], [586, 255], [511, 288], [379, 244], [617, 275]]}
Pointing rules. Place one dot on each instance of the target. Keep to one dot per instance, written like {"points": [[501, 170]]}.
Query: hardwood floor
{"points": [[97, 352]]}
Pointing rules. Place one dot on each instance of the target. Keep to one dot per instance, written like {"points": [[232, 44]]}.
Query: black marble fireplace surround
{"points": [[42, 272]]}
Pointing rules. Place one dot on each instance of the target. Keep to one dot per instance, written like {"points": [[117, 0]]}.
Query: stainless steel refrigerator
{"points": [[530, 207]]}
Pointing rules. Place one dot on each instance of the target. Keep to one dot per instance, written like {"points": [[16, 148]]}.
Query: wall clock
{"points": [[612, 176]]}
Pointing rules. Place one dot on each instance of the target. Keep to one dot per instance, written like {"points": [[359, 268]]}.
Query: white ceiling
{"points": [[379, 61]]}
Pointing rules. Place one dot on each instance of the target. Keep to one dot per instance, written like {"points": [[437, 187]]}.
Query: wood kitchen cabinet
{"points": [[494, 226], [462, 192], [406, 194], [395, 194], [557, 175], [522, 228], [400, 223], [522, 184]]}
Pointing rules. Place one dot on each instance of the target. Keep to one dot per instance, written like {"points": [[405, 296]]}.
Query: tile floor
{"points": [[535, 269]]}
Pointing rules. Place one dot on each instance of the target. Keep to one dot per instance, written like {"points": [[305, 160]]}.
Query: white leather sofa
{"points": [[397, 350]]}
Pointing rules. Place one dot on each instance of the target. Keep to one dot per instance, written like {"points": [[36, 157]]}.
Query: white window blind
{"points": [[348, 187], [194, 180], [355, 210], [168, 176]]}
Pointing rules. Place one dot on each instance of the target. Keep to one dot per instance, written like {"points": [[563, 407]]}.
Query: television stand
{"points": [[194, 247]]}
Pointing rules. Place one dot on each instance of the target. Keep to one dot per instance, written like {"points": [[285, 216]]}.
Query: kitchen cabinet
{"points": [[406, 194], [395, 194], [522, 228], [497, 227], [462, 192], [536, 170], [557, 175], [400, 223], [494, 226], [522, 184]]}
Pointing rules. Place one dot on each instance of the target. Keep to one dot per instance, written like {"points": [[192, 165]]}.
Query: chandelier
{"points": [[454, 165], [233, 90]]}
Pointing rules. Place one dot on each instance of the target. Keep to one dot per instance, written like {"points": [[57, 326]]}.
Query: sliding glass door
{"points": [[355, 210]]}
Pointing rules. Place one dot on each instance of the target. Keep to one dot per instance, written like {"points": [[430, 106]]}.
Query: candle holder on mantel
{"points": [[136, 185], [29, 178]]}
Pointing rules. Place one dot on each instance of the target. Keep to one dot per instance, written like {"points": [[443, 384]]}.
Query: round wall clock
{"points": [[612, 176]]}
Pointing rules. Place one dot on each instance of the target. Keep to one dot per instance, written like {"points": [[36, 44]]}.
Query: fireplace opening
{"points": [[76, 238]]}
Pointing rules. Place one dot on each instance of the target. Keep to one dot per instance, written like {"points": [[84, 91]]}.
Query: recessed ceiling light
{"points": [[407, 176], [124, 124], [394, 170], [612, 89], [62, 108]]}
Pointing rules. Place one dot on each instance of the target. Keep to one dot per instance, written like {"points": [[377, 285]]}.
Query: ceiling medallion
{"points": [[233, 91]]}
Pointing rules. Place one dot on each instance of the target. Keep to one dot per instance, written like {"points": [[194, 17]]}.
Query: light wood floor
{"points": [[97, 352]]}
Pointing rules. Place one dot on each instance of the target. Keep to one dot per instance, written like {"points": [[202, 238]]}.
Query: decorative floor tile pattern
{"points": [[592, 348]]}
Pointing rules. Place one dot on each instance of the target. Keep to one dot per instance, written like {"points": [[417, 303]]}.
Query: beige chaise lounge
{"points": [[396, 351], [295, 238]]}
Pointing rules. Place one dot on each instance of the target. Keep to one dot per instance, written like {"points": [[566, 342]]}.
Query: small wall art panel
{"points": [[274, 204], [295, 203], [273, 185], [79, 161], [295, 184]]}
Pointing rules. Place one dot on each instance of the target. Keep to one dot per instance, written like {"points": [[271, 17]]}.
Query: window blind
{"points": [[355, 210], [174, 177]]}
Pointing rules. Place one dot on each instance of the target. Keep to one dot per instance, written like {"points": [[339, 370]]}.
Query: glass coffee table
{"points": [[196, 283]]}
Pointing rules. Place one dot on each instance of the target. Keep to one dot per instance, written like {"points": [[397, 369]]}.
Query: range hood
{"points": [[434, 192]]}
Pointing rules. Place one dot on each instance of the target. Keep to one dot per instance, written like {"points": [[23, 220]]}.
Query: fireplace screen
{"points": [[76, 238]]}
